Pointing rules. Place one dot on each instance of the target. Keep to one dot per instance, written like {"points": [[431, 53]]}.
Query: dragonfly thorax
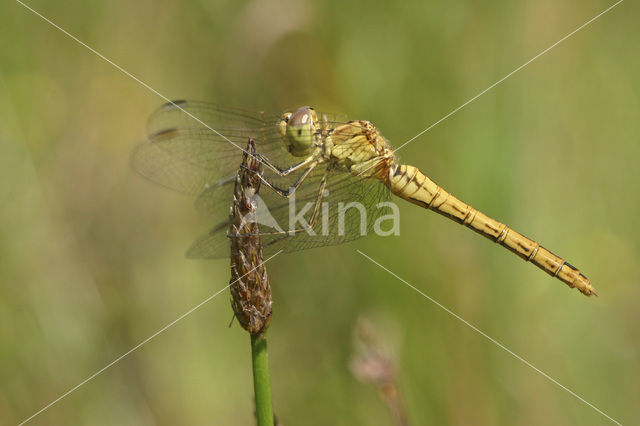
{"points": [[298, 130]]}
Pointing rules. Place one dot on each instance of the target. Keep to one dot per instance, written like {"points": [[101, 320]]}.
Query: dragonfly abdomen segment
{"points": [[411, 184]]}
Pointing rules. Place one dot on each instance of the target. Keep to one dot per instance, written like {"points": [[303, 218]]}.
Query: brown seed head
{"points": [[250, 291]]}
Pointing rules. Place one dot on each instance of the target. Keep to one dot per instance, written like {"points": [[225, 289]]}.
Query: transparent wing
{"points": [[349, 210], [191, 145]]}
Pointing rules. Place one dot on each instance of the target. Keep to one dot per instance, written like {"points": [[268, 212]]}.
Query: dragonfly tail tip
{"points": [[589, 290]]}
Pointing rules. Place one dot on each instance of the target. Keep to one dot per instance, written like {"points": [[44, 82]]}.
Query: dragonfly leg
{"points": [[288, 192], [288, 170], [312, 221], [316, 208], [314, 214]]}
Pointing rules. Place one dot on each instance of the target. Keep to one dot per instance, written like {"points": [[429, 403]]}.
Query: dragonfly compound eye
{"points": [[300, 131]]}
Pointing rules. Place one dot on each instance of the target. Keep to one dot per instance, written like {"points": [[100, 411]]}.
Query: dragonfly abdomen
{"points": [[411, 184]]}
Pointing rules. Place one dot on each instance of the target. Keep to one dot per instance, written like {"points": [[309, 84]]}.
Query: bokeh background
{"points": [[92, 255]]}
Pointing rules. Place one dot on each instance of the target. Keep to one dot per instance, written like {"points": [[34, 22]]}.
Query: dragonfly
{"points": [[321, 169]]}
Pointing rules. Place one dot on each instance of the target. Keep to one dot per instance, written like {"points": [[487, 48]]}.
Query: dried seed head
{"points": [[250, 291], [373, 363]]}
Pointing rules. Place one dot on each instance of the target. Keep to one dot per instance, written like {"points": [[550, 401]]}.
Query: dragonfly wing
{"points": [[191, 145], [216, 199], [349, 209], [212, 245]]}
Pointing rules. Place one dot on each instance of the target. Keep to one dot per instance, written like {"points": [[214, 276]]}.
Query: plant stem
{"points": [[261, 381]]}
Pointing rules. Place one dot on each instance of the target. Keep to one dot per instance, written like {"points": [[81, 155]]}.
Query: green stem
{"points": [[261, 381]]}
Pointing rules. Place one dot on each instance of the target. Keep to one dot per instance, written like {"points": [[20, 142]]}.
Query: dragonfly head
{"points": [[298, 130]]}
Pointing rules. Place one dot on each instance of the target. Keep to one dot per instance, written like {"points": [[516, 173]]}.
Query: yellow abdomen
{"points": [[411, 184]]}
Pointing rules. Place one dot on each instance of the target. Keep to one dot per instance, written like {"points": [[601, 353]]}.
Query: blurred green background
{"points": [[92, 255]]}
